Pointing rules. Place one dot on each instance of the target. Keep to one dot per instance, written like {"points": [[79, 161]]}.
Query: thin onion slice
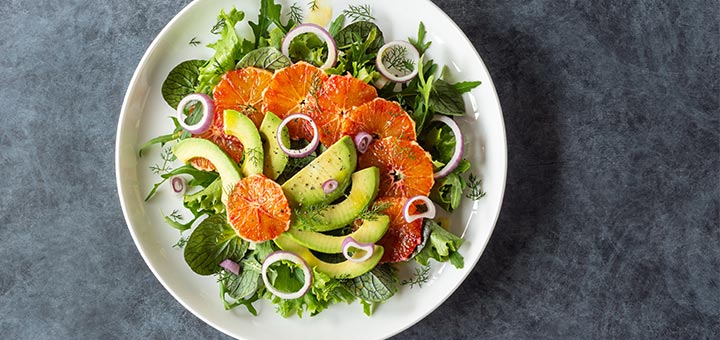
{"points": [[208, 113], [330, 186], [282, 255], [430, 213], [349, 242], [308, 149], [321, 33], [411, 53], [362, 141], [230, 266], [178, 185], [459, 146]]}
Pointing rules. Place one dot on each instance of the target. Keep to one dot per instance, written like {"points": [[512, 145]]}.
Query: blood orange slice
{"points": [[406, 170], [258, 209], [293, 90], [216, 134], [337, 97], [380, 118], [402, 237]]}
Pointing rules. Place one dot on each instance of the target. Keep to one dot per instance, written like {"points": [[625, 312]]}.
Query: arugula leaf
{"points": [[442, 246], [420, 43], [445, 99], [270, 13], [207, 200], [212, 242], [337, 25], [162, 140], [268, 58], [466, 86], [377, 285], [228, 49], [181, 81], [200, 178]]}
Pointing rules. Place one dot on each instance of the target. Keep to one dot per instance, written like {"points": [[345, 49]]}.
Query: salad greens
{"points": [[213, 240]]}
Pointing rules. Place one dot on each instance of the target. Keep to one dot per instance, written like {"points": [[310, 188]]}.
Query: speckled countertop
{"points": [[610, 225]]}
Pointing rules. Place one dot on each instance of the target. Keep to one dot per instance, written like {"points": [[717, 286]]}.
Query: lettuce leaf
{"points": [[441, 245], [228, 50], [324, 292]]}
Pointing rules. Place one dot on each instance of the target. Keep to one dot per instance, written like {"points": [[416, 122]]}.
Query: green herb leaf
{"points": [[270, 13], [359, 12], [228, 50], [360, 32], [420, 43], [447, 192], [200, 178], [212, 242], [207, 200], [466, 86], [376, 285], [268, 58], [445, 99], [181, 81], [308, 47], [337, 25], [243, 285], [442, 246]]}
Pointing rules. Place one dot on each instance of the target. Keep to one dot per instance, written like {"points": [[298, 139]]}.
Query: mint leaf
{"points": [[268, 58], [212, 242], [243, 285], [466, 86], [376, 285], [445, 99], [181, 81]]}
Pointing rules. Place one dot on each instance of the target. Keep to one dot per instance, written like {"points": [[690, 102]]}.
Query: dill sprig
{"points": [[296, 13], [395, 57], [175, 216], [475, 185], [313, 5], [254, 155], [194, 41], [167, 156], [422, 275], [180, 244], [372, 213], [217, 28], [358, 13], [312, 214]]}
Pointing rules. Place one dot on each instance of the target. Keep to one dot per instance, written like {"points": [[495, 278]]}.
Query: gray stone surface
{"points": [[610, 222]]}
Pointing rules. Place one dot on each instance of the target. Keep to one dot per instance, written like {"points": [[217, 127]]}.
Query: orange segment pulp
{"points": [[380, 118], [258, 209], [339, 95], [406, 169], [402, 237]]}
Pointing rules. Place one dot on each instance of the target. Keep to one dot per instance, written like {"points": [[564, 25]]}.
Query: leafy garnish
{"points": [[445, 99], [466, 86], [199, 178], [313, 5], [422, 275], [475, 185], [296, 13], [268, 58], [442, 246], [371, 213], [228, 50], [419, 42], [396, 58], [207, 200], [359, 12], [270, 13], [336, 25], [163, 167], [180, 244], [212, 242], [194, 42], [181, 81], [377, 285]]}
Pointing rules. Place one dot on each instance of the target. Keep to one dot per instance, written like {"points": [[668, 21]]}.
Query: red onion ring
{"points": [[330, 186], [282, 255], [230, 266], [178, 185], [430, 213], [321, 33], [362, 141], [208, 112], [459, 146], [414, 55], [307, 150], [349, 242]]}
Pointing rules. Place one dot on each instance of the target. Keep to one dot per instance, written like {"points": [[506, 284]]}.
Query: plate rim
{"points": [[121, 193]]}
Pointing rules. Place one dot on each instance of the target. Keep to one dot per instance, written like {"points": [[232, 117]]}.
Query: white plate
{"points": [[144, 115]]}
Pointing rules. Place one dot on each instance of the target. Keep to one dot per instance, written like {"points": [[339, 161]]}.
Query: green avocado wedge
{"points": [[190, 148], [240, 126], [337, 162], [365, 184], [370, 231], [275, 158], [342, 270]]}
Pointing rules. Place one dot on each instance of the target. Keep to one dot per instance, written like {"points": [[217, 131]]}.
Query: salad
{"points": [[314, 157]]}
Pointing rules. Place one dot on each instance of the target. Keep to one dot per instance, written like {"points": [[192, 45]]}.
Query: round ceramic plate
{"points": [[144, 115]]}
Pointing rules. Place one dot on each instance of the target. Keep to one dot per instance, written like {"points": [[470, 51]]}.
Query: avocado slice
{"points": [[275, 158], [337, 162], [365, 185], [240, 126], [342, 270], [190, 148], [370, 231]]}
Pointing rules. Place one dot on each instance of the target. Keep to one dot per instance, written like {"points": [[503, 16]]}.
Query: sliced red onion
{"points": [[307, 150], [208, 112], [459, 146], [321, 33], [230, 266], [282, 255], [330, 186], [349, 242], [430, 213], [362, 141], [411, 53], [178, 185]]}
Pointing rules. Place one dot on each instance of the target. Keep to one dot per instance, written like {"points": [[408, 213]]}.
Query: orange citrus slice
{"points": [[293, 90], [402, 237], [380, 118], [406, 169], [337, 97], [258, 209], [216, 134]]}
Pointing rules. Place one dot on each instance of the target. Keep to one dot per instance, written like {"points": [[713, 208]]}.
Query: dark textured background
{"points": [[609, 227]]}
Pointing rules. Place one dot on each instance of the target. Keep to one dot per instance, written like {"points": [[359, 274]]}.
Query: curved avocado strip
{"points": [[190, 148], [342, 270], [337, 162], [370, 231], [365, 184], [275, 158], [240, 126]]}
